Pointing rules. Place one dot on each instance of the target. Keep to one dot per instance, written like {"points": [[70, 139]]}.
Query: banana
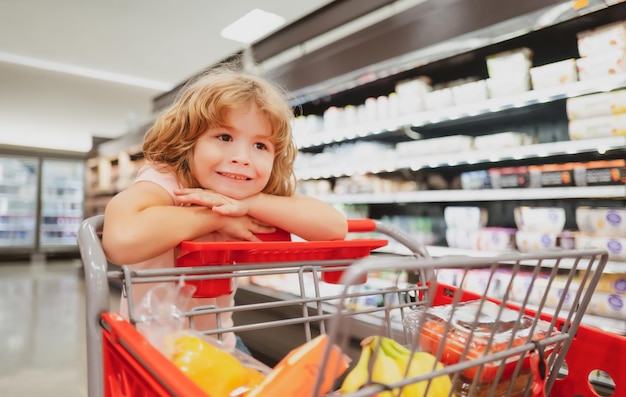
{"points": [[383, 369], [421, 363]]}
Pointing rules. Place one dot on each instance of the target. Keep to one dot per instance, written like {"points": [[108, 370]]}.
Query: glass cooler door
{"points": [[62, 193], [18, 202]]}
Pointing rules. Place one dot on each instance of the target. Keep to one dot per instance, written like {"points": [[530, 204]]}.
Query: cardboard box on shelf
{"points": [[602, 38], [509, 177], [551, 175], [510, 64], [593, 105], [600, 65], [601, 172], [597, 127], [501, 140], [554, 74], [471, 92]]}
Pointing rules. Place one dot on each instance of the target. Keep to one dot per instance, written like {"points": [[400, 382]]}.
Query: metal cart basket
{"points": [[550, 351]]}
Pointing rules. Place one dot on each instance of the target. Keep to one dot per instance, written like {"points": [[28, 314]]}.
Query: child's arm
{"points": [[143, 222], [308, 218], [304, 216]]}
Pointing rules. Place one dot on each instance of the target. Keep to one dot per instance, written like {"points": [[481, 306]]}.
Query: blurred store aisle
{"points": [[42, 330]]}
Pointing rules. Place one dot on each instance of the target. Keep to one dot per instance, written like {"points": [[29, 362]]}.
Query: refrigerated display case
{"points": [[62, 192], [41, 202], [18, 202]]}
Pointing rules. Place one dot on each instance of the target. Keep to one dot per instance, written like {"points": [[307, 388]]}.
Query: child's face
{"points": [[235, 161]]}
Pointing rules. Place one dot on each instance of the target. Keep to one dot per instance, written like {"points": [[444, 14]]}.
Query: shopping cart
{"points": [[121, 362]]}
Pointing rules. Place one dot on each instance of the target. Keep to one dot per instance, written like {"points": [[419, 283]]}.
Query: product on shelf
{"points": [[496, 239], [535, 241], [594, 105], [595, 66], [608, 305], [615, 246], [602, 51], [551, 175], [438, 99], [594, 173], [540, 219], [470, 92], [607, 301], [602, 228], [554, 74], [509, 72], [509, 177], [464, 238], [603, 222], [602, 38], [447, 144], [410, 94], [462, 224], [612, 284], [501, 140], [469, 217], [473, 180]]}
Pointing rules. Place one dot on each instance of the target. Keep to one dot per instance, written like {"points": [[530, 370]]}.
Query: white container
{"points": [[605, 222], [496, 239], [615, 246], [466, 217], [540, 219], [463, 238], [535, 242]]}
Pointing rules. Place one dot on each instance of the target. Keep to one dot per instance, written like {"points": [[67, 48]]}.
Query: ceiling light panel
{"points": [[252, 26]]}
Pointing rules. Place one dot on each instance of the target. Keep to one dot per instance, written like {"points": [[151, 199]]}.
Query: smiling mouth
{"points": [[234, 176]]}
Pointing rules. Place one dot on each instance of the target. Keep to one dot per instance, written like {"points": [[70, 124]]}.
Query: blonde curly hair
{"points": [[203, 104]]}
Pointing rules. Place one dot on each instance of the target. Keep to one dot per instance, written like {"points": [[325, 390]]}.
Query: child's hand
{"points": [[219, 203], [244, 228]]}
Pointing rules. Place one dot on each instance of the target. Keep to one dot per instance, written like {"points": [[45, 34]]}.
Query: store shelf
{"points": [[452, 196], [612, 267], [488, 106], [386, 163]]}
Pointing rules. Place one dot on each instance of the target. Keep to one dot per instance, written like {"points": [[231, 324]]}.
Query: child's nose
{"points": [[240, 155]]}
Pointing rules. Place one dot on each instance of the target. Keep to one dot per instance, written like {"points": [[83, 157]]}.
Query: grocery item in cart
{"points": [[484, 327], [213, 369], [298, 372], [385, 361]]}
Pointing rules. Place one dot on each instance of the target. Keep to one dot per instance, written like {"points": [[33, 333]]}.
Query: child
{"points": [[219, 167]]}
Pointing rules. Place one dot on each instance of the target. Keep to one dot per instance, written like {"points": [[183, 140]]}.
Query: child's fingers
{"points": [[258, 228]]}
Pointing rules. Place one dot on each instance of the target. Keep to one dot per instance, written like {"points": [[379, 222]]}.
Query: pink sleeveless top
{"points": [[169, 182]]}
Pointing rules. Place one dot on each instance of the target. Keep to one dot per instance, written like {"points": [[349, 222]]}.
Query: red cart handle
{"points": [[361, 225]]}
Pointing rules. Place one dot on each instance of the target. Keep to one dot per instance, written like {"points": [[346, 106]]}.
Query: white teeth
{"points": [[237, 177]]}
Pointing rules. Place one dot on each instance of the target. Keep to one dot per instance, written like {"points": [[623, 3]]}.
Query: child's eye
{"points": [[225, 138], [260, 146]]}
